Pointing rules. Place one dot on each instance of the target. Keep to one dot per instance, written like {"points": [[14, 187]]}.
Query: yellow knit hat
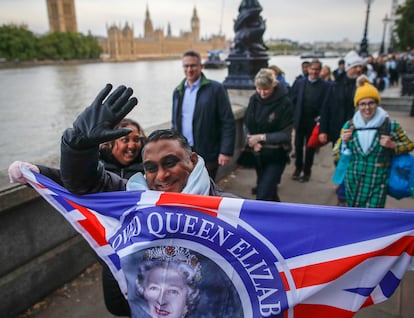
{"points": [[365, 90]]}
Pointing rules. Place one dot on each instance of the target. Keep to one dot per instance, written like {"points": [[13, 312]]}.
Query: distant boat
{"points": [[216, 59], [319, 55], [312, 55]]}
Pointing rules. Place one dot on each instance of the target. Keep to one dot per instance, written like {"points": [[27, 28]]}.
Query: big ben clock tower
{"points": [[62, 15], [195, 26]]}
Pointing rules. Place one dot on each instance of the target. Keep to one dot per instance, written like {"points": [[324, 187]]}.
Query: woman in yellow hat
{"points": [[372, 139]]}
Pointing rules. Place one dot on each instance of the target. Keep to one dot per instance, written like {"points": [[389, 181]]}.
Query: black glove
{"points": [[95, 124]]}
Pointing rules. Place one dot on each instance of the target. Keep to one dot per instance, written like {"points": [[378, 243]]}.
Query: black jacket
{"points": [[213, 123], [272, 116], [338, 107], [297, 93]]}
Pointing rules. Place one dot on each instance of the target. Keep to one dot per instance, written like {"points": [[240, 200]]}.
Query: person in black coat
{"points": [[202, 112], [169, 163], [269, 121], [308, 95]]}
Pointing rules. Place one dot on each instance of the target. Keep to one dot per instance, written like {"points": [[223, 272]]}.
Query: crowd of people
{"points": [[104, 151]]}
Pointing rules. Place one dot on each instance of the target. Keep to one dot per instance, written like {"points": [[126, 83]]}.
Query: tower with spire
{"points": [[195, 25], [148, 28], [121, 45]]}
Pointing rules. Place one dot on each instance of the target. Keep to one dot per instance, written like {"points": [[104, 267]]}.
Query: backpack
{"points": [[401, 178]]}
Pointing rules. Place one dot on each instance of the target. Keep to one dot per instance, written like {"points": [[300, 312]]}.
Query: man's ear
{"points": [[194, 158]]}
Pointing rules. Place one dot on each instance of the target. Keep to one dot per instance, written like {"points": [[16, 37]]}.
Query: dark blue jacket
{"points": [[213, 123], [338, 107], [297, 96]]}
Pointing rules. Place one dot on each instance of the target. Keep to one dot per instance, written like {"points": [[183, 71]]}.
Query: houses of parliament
{"points": [[121, 44]]}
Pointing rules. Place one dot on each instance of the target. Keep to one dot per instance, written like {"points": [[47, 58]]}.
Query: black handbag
{"points": [[247, 158]]}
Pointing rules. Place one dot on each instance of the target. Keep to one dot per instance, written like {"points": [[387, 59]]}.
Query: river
{"points": [[37, 103]]}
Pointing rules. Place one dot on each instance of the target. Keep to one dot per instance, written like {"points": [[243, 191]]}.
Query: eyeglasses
{"points": [[190, 65], [369, 104]]}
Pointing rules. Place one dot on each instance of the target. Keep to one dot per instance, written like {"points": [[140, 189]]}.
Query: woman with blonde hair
{"points": [[269, 121]]}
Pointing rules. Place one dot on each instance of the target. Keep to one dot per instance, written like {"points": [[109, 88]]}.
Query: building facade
{"points": [[121, 45], [62, 16]]}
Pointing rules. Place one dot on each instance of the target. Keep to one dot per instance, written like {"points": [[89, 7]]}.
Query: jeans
{"points": [[269, 177]]}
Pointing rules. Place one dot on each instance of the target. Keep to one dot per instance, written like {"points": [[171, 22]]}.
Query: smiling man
{"points": [[170, 165], [202, 112]]}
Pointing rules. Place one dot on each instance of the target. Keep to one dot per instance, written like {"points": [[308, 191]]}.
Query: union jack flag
{"points": [[281, 260]]}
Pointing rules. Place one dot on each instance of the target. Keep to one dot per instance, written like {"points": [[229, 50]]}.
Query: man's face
{"points": [[192, 68], [305, 69], [354, 71], [167, 165], [314, 71]]}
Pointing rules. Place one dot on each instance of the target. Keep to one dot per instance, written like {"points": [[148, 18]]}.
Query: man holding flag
{"points": [[335, 263]]}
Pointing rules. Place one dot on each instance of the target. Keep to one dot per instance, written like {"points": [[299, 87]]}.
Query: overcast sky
{"points": [[298, 20]]}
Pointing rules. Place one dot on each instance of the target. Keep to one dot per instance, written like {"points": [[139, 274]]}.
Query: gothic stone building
{"points": [[120, 44]]}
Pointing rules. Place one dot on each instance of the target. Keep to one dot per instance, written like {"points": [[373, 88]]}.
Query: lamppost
{"points": [[248, 54], [385, 21], [363, 50]]}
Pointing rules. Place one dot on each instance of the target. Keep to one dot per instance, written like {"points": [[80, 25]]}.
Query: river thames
{"points": [[37, 103]]}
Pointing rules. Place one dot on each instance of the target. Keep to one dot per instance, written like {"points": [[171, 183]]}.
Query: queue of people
{"points": [[104, 151]]}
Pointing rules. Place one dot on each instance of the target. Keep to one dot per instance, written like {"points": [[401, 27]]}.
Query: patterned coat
{"points": [[367, 174]]}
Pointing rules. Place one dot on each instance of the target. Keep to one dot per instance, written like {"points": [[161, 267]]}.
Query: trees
{"points": [[18, 43], [405, 26]]}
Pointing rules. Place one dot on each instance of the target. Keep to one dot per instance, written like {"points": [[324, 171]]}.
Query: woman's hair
{"points": [[172, 257], [276, 69], [123, 123], [265, 78]]}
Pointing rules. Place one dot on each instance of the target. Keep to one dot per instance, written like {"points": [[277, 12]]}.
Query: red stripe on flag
{"points": [[199, 203], [320, 311], [39, 185], [91, 224], [322, 273], [368, 302], [284, 281]]}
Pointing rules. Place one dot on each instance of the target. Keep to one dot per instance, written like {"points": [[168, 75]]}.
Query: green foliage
{"points": [[18, 43], [405, 26]]}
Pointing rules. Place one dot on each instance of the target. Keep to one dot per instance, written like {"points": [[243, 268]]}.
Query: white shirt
{"points": [[189, 102]]}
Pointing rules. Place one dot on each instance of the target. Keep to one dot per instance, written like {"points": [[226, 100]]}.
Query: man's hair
{"points": [[165, 134], [316, 61], [192, 53]]}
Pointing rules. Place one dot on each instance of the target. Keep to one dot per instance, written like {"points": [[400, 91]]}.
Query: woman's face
{"points": [[265, 92], [127, 148], [166, 293], [367, 107]]}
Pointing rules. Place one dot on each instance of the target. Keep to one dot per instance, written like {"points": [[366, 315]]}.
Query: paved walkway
{"points": [[82, 298]]}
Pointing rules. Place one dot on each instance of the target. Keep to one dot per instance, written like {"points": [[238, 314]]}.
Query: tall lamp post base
{"points": [[243, 69]]}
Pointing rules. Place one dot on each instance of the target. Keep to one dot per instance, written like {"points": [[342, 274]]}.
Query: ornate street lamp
{"points": [[248, 54], [385, 21], [363, 50]]}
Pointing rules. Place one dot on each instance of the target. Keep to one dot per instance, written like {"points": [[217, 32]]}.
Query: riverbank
{"points": [[19, 64]]}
